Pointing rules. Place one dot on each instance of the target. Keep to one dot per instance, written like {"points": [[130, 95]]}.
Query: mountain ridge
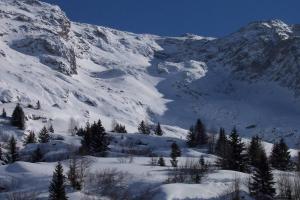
{"points": [[250, 77]]}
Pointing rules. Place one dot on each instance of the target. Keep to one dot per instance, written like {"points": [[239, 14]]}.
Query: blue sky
{"points": [[176, 17]]}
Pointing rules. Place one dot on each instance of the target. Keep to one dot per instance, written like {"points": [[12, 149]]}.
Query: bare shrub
{"points": [[78, 169], [153, 160], [22, 196], [73, 126], [289, 186], [126, 159], [110, 183], [191, 171]]}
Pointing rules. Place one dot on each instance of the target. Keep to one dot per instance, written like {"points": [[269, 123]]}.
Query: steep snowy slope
{"points": [[249, 78]]}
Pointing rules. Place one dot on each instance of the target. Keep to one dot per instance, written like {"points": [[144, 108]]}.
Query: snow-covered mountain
{"points": [[249, 79]]}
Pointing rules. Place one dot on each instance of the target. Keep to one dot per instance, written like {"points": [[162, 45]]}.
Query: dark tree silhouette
{"points": [[57, 185]]}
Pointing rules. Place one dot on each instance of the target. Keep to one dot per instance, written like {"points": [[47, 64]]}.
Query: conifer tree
{"points": [[119, 128], [161, 161], [51, 129], [237, 160], [57, 185], [262, 184], [38, 105], [280, 156], [158, 130], [175, 152], [144, 128], [255, 149], [86, 140], [200, 131], [100, 140], [18, 117], [222, 143], [30, 138], [191, 138], [12, 154], [44, 136], [37, 155], [4, 115]]}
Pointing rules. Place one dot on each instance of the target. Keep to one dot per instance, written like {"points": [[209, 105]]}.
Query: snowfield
{"points": [[81, 73]]}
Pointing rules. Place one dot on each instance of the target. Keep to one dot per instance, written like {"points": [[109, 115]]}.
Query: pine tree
{"points": [[4, 115], [280, 156], [57, 185], [37, 155], [161, 161], [86, 140], [44, 136], [119, 128], [175, 152], [144, 128], [158, 130], [191, 138], [12, 154], [51, 129], [100, 140], [298, 162], [255, 149], [30, 138], [237, 160], [38, 105], [18, 117], [222, 143], [200, 131], [262, 184]]}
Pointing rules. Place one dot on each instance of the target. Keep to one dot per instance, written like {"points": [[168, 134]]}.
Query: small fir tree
{"points": [[38, 105], [237, 160], [51, 129], [144, 128], [100, 140], [4, 115], [37, 155], [30, 138], [175, 152], [44, 136], [280, 156], [161, 161], [255, 150], [191, 138], [12, 154], [201, 135], [262, 184], [158, 130], [57, 185], [18, 117]]}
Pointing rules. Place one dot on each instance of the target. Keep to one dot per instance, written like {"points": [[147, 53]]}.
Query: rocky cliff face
{"points": [[250, 78]]}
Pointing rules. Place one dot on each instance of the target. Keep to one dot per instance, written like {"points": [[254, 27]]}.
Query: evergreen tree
{"points": [[86, 140], [237, 160], [191, 138], [1, 154], [38, 105], [200, 131], [37, 155], [57, 185], [161, 161], [4, 115], [12, 154], [30, 138], [298, 162], [280, 156], [262, 184], [100, 140], [222, 143], [18, 117], [51, 129], [119, 128], [158, 130], [144, 128], [255, 150], [175, 152], [44, 136]]}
